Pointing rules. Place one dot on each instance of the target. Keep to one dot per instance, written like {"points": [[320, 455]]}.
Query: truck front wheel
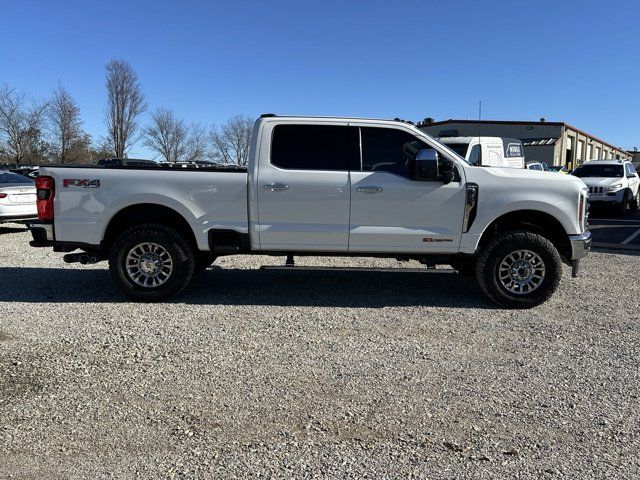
{"points": [[519, 269], [151, 262]]}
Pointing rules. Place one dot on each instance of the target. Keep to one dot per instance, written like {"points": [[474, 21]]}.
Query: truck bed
{"points": [[88, 197]]}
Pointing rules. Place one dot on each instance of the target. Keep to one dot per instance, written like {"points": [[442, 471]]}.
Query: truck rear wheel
{"points": [[151, 262], [519, 269]]}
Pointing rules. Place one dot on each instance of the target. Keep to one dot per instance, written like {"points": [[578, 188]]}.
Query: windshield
{"points": [[14, 179], [610, 171], [459, 148]]}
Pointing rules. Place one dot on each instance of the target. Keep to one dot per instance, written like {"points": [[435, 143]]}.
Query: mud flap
{"points": [[575, 268]]}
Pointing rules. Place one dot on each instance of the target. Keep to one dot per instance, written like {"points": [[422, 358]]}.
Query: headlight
{"points": [[612, 188], [583, 209]]}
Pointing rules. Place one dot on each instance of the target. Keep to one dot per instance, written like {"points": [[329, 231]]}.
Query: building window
{"points": [[568, 155], [580, 149], [589, 157]]}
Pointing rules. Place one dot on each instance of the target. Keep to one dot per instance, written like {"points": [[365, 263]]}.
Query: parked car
{"points": [[17, 198], [541, 166], [321, 186], [32, 173], [611, 182], [487, 151], [127, 162], [26, 171]]}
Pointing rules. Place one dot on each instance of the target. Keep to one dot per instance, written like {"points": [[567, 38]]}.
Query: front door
{"points": [[392, 213], [303, 188]]}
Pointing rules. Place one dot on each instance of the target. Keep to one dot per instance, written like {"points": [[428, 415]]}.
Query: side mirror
{"points": [[426, 165], [430, 166]]}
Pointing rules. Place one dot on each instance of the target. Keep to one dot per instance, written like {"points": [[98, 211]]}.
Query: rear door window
{"points": [[315, 147]]}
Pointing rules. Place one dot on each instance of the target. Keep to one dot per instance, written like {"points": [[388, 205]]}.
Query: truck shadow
{"points": [[322, 288], [12, 229]]}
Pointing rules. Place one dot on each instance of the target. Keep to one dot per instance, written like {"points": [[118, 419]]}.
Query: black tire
{"points": [[633, 204], [203, 261], [621, 208], [130, 246], [490, 266]]}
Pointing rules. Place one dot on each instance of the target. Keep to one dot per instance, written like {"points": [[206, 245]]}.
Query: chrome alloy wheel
{"points": [[149, 265], [521, 272]]}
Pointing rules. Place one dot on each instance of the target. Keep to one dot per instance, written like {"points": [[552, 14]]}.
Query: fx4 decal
{"points": [[80, 182], [436, 240]]}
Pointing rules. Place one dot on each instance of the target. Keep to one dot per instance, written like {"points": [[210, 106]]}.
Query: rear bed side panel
{"points": [[206, 200]]}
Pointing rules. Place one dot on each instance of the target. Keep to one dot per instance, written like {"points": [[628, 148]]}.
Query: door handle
{"points": [[369, 189], [276, 187]]}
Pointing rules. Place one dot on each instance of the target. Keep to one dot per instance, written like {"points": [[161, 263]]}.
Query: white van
{"points": [[487, 151]]}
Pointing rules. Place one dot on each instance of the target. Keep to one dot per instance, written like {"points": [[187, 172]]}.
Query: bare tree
{"points": [[167, 135], [20, 125], [68, 140], [100, 148], [198, 150], [125, 102], [230, 142]]}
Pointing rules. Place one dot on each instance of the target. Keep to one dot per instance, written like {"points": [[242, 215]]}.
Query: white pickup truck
{"points": [[320, 186]]}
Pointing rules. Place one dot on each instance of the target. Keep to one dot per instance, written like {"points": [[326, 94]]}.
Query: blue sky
{"points": [[577, 62]]}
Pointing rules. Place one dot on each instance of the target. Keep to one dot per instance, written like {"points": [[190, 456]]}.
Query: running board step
{"points": [[360, 269]]}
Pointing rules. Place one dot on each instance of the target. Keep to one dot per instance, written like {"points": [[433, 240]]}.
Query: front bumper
{"points": [[580, 245], [42, 233], [606, 197]]}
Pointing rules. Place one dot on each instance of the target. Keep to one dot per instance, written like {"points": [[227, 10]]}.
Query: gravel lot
{"points": [[315, 374]]}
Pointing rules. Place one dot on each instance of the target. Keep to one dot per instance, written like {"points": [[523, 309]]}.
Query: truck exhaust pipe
{"points": [[82, 258]]}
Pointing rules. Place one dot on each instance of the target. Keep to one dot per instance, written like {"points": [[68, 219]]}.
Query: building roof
{"points": [[521, 122], [492, 122]]}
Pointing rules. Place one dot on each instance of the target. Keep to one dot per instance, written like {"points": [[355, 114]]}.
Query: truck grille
{"points": [[596, 189]]}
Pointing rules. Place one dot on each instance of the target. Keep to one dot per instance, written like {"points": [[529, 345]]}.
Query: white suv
{"points": [[611, 182]]}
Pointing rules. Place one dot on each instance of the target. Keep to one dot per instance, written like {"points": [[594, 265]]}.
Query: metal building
{"points": [[556, 143]]}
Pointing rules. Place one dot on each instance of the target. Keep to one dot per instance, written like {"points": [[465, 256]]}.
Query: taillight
{"points": [[3, 195], [46, 190]]}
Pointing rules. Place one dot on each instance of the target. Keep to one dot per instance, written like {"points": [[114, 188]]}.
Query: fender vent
{"points": [[470, 206]]}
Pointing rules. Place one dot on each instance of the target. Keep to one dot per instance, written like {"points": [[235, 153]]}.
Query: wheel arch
{"points": [[142, 213], [534, 221]]}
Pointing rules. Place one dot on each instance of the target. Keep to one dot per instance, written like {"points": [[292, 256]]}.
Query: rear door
{"points": [[303, 187]]}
